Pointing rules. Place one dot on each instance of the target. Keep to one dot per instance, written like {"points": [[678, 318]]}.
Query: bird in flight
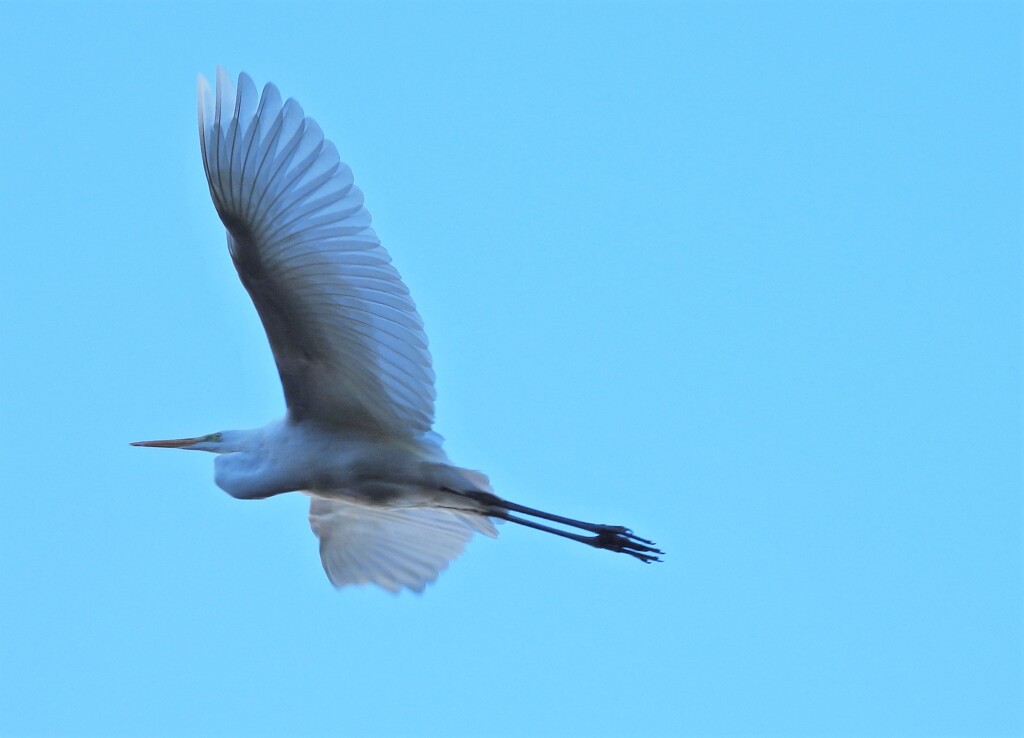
{"points": [[388, 506]]}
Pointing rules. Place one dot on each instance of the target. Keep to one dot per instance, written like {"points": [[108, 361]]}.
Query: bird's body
{"points": [[339, 463], [388, 506]]}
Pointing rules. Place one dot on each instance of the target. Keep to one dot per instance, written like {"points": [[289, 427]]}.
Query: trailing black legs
{"points": [[609, 537]]}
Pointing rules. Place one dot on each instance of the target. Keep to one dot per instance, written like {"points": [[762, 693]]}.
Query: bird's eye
{"points": [[213, 438]]}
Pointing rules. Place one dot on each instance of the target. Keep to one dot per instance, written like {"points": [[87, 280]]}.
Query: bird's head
{"points": [[238, 469]]}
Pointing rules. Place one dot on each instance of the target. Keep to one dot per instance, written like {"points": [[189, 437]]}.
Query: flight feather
{"points": [[345, 334]]}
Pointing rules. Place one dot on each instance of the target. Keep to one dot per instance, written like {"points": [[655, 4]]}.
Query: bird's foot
{"points": [[623, 540]]}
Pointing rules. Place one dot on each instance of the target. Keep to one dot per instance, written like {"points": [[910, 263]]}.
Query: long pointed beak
{"points": [[172, 443]]}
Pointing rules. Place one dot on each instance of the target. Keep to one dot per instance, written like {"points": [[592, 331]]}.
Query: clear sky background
{"points": [[744, 277]]}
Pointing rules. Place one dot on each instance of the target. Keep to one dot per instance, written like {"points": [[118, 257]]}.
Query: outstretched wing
{"points": [[345, 334], [393, 548]]}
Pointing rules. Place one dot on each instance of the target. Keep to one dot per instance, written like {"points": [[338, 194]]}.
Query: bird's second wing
{"points": [[345, 334], [394, 548]]}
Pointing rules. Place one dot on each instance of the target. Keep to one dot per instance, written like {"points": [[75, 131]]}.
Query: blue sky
{"points": [[745, 277]]}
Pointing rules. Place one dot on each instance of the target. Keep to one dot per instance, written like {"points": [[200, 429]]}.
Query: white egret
{"points": [[388, 506]]}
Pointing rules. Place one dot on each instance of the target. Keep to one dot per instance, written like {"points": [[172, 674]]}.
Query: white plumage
{"points": [[387, 505], [390, 547], [345, 333]]}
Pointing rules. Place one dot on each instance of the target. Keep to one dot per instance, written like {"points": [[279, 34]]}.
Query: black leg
{"points": [[609, 537]]}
